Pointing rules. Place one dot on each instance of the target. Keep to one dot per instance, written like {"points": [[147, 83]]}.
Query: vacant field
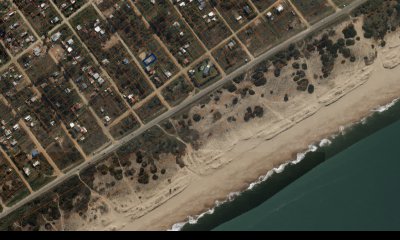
{"points": [[151, 109], [124, 127], [258, 37], [236, 12], [12, 189], [205, 22], [177, 91], [15, 33], [263, 4], [63, 152], [204, 73], [231, 55], [41, 15], [166, 23], [314, 10], [68, 7], [142, 43]]}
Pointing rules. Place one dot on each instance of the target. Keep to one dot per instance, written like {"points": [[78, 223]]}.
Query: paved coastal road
{"points": [[98, 157]]}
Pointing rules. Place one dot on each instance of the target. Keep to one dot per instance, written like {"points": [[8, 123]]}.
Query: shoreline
{"points": [[354, 106], [277, 170]]}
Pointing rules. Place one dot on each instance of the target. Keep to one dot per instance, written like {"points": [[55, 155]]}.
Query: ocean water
{"points": [[349, 182]]}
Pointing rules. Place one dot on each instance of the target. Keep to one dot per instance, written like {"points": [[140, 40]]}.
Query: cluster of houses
{"points": [[205, 69], [15, 36], [276, 11], [42, 8], [8, 140], [77, 131], [11, 76]]}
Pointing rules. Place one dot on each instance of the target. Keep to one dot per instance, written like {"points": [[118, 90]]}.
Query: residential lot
{"points": [[4, 58], [11, 81], [12, 189], [88, 133], [14, 31], [109, 51], [40, 13], [204, 20], [177, 91], [151, 109], [22, 151], [204, 73], [79, 67], [280, 23], [166, 23], [231, 55], [262, 5], [123, 128], [68, 7], [63, 152], [153, 58], [314, 10], [42, 120], [236, 12], [342, 3], [61, 97]]}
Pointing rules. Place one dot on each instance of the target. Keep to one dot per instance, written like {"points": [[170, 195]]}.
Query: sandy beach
{"points": [[348, 102]]}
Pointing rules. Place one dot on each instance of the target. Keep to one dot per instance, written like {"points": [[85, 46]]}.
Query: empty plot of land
{"points": [[263, 4], [314, 10], [231, 55], [151, 109], [177, 91], [124, 127], [166, 23], [63, 152]]}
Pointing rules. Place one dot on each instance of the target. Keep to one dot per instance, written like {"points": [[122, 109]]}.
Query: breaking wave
{"points": [[386, 107], [234, 195], [280, 169]]}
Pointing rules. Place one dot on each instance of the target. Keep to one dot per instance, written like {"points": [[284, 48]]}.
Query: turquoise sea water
{"points": [[352, 184]]}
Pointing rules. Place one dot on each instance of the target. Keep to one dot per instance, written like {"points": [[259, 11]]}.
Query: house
{"points": [[149, 60], [27, 171], [56, 36], [35, 153], [35, 164]]}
